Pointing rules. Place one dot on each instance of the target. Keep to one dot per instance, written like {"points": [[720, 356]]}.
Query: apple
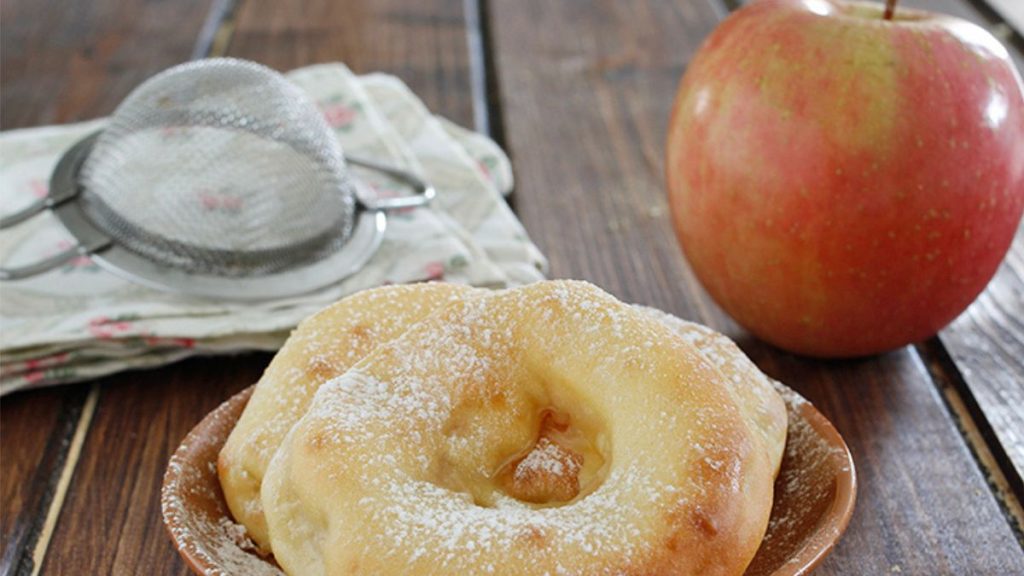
{"points": [[844, 183]]}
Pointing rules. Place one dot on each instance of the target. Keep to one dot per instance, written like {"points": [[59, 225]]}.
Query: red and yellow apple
{"points": [[843, 184]]}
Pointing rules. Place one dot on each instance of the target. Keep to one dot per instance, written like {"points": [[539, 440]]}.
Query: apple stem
{"points": [[890, 8]]}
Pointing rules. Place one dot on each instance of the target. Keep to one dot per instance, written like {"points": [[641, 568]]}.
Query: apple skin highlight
{"points": [[844, 185]]}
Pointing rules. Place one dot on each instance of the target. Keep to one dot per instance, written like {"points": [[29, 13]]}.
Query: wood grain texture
{"points": [[36, 428], [424, 43], [110, 523], [65, 61], [587, 96]]}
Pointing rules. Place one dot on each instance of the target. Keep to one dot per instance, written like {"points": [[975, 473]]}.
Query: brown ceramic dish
{"points": [[814, 496]]}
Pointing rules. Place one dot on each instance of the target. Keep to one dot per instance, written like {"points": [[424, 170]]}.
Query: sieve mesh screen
{"points": [[222, 167]]}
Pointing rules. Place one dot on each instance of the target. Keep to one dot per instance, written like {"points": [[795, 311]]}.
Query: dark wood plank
{"points": [[110, 522], [424, 43], [587, 96], [65, 61]]}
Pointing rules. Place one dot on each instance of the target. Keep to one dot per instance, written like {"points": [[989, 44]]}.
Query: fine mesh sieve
{"points": [[220, 178]]}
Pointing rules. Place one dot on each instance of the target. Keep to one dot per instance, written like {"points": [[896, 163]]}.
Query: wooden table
{"points": [[579, 94]]}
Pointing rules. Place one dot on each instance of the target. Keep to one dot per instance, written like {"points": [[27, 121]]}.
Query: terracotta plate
{"points": [[814, 497]]}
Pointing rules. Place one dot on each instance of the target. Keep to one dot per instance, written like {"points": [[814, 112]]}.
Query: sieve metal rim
{"points": [[64, 201]]}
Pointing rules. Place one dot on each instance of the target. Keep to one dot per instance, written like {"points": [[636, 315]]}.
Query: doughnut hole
{"points": [[520, 441], [562, 464]]}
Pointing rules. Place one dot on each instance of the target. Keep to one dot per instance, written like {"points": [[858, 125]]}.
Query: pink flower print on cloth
{"points": [[39, 188], [104, 328], [434, 271], [338, 114]]}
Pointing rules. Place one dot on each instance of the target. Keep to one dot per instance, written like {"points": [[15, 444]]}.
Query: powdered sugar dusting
{"points": [[459, 534], [398, 445], [546, 458], [401, 406], [416, 398]]}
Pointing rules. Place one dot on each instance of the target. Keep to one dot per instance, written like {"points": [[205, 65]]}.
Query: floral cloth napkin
{"points": [[81, 321]]}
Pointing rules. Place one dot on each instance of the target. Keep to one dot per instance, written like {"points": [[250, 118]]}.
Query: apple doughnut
{"points": [[322, 347], [548, 429]]}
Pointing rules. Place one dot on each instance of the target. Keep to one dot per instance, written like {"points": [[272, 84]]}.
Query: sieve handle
{"points": [[47, 264], [61, 189], [424, 192], [26, 212]]}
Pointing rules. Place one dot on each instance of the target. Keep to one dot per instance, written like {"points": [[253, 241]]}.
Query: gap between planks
{"points": [[24, 559], [483, 72], [64, 480], [483, 77], [215, 35], [976, 431], [472, 12]]}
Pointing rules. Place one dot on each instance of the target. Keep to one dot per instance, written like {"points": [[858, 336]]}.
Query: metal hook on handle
{"points": [[424, 192], [47, 264], [63, 188], [26, 212]]}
